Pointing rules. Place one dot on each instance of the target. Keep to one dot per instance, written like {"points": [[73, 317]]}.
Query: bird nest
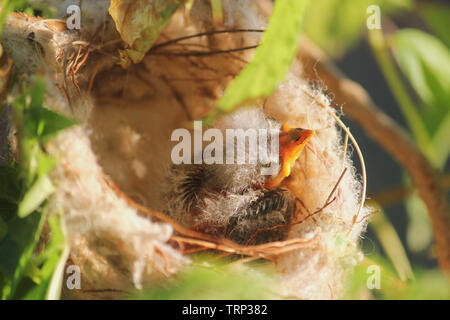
{"points": [[113, 167]]}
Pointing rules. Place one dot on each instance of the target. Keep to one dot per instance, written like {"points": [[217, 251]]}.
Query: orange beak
{"points": [[292, 141]]}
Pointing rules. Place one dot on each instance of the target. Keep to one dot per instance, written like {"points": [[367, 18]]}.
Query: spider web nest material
{"points": [[111, 164]]}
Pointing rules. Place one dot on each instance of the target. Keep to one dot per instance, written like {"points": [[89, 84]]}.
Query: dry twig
{"points": [[204, 241]]}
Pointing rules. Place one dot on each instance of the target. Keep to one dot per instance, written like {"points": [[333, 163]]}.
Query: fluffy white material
{"points": [[97, 217], [319, 272], [221, 190]]}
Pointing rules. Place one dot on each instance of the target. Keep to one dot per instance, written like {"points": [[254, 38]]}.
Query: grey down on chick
{"points": [[232, 200]]}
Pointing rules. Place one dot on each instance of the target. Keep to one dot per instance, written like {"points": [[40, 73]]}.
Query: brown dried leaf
{"points": [[139, 23]]}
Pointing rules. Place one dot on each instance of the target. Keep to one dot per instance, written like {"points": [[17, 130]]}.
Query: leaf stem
{"points": [[401, 95]]}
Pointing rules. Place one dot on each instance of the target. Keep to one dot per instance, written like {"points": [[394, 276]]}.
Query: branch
{"points": [[5, 75], [400, 193], [394, 139]]}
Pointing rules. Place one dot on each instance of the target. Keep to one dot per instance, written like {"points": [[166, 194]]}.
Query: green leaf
{"points": [[428, 285], [272, 59], [8, 6], [391, 243], [425, 61], [16, 250], [419, 233], [20, 102], [23, 189], [437, 16], [45, 124], [10, 195], [52, 271], [33, 272], [389, 280], [10, 186], [39, 122], [38, 92], [54, 123], [30, 150], [45, 163], [34, 197], [3, 228], [210, 282], [336, 25]]}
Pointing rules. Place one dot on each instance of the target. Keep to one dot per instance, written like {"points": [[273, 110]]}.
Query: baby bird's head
{"points": [[277, 148], [291, 143]]}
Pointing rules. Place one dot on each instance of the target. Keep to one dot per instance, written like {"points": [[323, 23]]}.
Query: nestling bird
{"points": [[236, 201]]}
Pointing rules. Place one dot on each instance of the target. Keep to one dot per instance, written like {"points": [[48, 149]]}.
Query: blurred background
{"points": [[416, 35]]}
